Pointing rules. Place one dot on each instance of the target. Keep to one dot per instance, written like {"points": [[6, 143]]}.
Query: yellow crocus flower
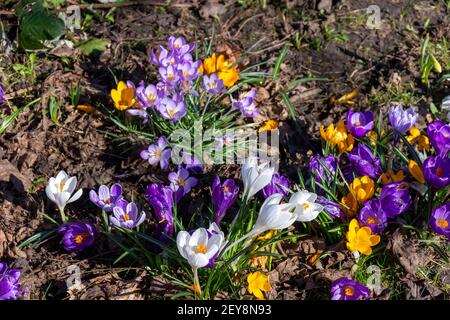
{"points": [[416, 171], [258, 282], [338, 136], [123, 96], [361, 239]]}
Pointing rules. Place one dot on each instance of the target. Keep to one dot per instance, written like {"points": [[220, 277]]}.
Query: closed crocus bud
{"points": [[364, 162], [223, 197], [255, 177], [60, 190], [200, 247], [402, 120], [305, 206]]}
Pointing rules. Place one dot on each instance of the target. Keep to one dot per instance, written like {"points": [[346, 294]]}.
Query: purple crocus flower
{"points": [[364, 162], [2, 95], [223, 197], [348, 289], [440, 220], [402, 120], [316, 165], [191, 163], [147, 96], [158, 56], [125, 215], [373, 216], [189, 70], [395, 199], [169, 74], [212, 84], [172, 110], [9, 282], [77, 236], [158, 153], [359, 123], [436, 171], [138, 112], [250, 111], [332, 208], [179, 45], [278, 184], [106, 198], [439, 134], [181, 183], [161, 199], [245, 99]]}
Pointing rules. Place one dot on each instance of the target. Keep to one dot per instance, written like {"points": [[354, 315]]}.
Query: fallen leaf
{"points": [[9, 173]]}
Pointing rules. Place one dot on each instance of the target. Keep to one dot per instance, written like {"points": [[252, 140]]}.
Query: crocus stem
{"points": [[63, 215], [197, 282], [250, 234]]}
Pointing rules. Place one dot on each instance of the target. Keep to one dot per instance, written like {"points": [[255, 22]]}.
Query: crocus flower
{"points": [[257, 283], [364, 162], [273, 215], [250, 111], [415, 170], [332, 208], [212, 84], [60, 190], [391, 176], [169, 74], [305, 206], [440, 220], [123, 96], [106, 198], [361, 239], [147, 95], [245, 99], [9, 282], [436, 171], [125, 215], [338, 136], [199, 247], [190, 162], [421, 141], [439, 135], [395, 199], [2, 95], [161, 199], [268, 125], [181, 180], [278, 184], [223, 197], [189, 70], [179, 45], [254, 176], [362, 188], [348, 289], [373, 216], [402, 120], [224, 69], [359, 123], [172, 110], [77, 236], [158, 56], [158, 153], [317, 164]]}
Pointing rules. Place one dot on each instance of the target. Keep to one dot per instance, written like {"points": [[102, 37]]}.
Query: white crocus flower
{"points": [[304, 205], [255, 177], [272, 216], [199, 247], [60, 190]]}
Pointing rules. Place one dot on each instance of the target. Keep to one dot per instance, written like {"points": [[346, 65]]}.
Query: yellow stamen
{"points": [[201, 248], [357, 123], [305, 206], [126, 217], [349, 291], [61, 185], [372, 220], [442, 223]]}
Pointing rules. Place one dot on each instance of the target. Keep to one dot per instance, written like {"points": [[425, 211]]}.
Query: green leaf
{"points": [[89, 46], [38, 26]]}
